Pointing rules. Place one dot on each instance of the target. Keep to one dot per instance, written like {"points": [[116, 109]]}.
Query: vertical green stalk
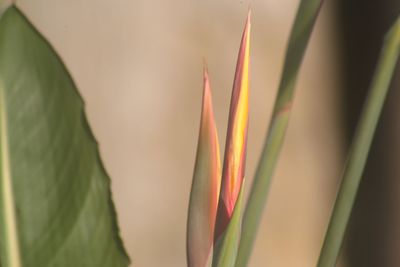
{"points": [[299, 37], [10, 255], [360, 148]]}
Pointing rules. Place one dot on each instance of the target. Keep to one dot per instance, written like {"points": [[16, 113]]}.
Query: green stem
{"points": [[299, 37], [360, 148]]}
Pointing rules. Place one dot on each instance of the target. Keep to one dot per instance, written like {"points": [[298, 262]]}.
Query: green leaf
{"points": [[299, 37], [226, 247], [4, 4], [360, 148], [57, 187]]}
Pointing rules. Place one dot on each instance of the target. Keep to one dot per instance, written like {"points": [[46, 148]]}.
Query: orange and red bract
{"points": [[236, 141], [213, 197], [205, 187]]}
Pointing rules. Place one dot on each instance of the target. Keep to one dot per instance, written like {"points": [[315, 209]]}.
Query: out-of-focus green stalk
{"points": [[299, 37], [360, 148]]}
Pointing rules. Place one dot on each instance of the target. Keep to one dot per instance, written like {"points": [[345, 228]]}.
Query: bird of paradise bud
{"points": [[213, 197], [205, 186]]}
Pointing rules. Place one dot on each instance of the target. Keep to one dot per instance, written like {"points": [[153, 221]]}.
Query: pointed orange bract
{"points": [[206, 186], [236, 141], [213, 198]]}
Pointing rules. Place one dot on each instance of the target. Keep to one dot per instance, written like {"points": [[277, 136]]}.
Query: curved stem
{"points": [[360, 148]]}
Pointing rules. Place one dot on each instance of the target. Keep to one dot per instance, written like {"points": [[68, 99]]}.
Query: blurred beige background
{"points": [[138, 66]]}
